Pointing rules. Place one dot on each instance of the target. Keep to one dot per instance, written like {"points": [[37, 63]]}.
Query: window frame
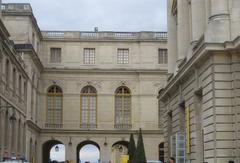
{"points": [[121, 58], [53, 118], [89, 56], [162, 56], [88, 94], [55, 55], [122, 96]]}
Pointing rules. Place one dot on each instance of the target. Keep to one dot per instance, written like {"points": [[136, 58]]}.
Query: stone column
{"points": [[24, 141], [2, 134], [16, 135], [19, 138], [6, 135], [10, 126], [70, 152], [198, 19], [172, 38], [219, 25], [235, 21], [183, 30], [105, 153]]}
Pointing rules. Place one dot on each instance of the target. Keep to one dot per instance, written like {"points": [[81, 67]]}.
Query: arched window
{"points": [[88, 107], [122, 108], [54, 107]]}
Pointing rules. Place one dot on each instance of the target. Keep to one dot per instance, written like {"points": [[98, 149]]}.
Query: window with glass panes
{"points": [[54, 106], [88, 107], [161, 152], [162, 56], [14, 79], [20, 86], [7, 69], [89, 56], [55, 55], [122, 108], [123, 56], [178, 149]]}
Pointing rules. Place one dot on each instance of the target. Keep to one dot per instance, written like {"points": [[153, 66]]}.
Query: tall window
{"points": [[20, 87], [25, 91], [162, 56], [7, 68], [122, 56], [122, 108], [55, 55], [161, 152], [88, 107], [54, 107], [14, 80], [89, 56]]}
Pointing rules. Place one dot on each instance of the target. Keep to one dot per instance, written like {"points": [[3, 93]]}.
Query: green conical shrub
{"points": [[131, 148], [139, 156]]}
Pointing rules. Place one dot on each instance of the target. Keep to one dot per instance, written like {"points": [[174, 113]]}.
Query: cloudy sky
{"points": [[107, 15]]}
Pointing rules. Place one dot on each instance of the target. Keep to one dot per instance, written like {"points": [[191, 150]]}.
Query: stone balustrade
{"points": [[16, 7], [104, 35]]}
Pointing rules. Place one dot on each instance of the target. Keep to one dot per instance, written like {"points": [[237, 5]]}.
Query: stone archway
{"points": [[90, 147], [118, 149], [46, 148]]}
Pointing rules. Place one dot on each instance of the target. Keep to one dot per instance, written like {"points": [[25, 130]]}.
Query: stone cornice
{"points": [[88, 70], [33, 126], [99, 132], [34, 56], [11, 9], [200, 52]]}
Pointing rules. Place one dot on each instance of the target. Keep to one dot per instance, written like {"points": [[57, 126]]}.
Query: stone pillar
{"points": [[10, 129], [105, 153], [24, 141], [16, 135], [172, 38], [70, 152], [235, 20], [219, 25], [6, 135], [19, 138], [2, 134], [198, 19], [183, 30]]}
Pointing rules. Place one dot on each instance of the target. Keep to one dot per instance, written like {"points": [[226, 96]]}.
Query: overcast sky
{"points": [[107, 15]]}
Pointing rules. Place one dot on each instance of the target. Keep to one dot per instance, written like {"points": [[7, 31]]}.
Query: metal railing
{"points": [[88, 125], [123, 126], [53, 125]]}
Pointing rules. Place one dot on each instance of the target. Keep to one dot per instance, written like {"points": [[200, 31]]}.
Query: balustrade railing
{"points": [[16, 7], [105, 35], [123, 126]]}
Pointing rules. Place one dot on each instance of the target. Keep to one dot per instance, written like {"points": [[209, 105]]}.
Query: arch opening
{"points": [[88, 152], [53, 151], [118, 149]]}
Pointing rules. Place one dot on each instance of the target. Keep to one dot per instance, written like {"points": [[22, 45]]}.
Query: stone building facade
{"points": [[200, 103], [80, 88]]}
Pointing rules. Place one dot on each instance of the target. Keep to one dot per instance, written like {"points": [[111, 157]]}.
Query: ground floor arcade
{"points": [[109, 146]]}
